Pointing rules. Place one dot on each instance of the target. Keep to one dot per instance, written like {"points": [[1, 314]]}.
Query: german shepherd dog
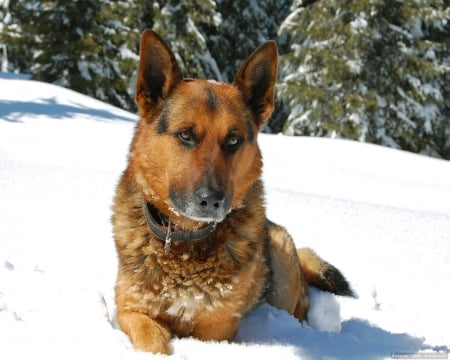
{"points": [[196, 251]]}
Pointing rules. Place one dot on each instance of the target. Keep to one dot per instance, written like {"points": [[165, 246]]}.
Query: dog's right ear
{"points": [[158, 71]]}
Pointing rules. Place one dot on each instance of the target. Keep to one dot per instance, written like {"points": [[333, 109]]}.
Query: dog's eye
{"points": [[186, 137], [232, 143]]}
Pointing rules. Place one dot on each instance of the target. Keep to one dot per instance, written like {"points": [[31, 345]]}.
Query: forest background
{"points": [[375, 71]]}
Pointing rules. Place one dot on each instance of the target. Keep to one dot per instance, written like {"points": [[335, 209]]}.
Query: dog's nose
{"points": [[210, 200]]}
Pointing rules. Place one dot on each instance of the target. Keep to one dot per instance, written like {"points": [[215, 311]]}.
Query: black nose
{"points": [[209, 200]]}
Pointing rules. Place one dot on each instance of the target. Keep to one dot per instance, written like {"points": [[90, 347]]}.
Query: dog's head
{"points": [[195, 153]]}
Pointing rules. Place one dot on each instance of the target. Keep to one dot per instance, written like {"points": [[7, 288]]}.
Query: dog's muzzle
{"points": [[205, 204]]}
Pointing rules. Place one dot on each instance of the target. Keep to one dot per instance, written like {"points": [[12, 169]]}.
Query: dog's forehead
{"points": [[196, 100], [208, 92]]}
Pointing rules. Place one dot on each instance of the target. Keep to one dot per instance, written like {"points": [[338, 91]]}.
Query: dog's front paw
{"points": [[146, 334]]}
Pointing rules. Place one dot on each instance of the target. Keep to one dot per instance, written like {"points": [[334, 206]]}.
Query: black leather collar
{"points": [[165, 233]]}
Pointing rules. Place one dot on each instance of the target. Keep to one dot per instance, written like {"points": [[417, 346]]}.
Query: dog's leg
{"points": [[223, 325], [145, 333], [289, 290]]}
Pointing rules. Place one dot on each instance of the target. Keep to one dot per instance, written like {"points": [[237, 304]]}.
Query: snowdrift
{"points": [[382, 216]]}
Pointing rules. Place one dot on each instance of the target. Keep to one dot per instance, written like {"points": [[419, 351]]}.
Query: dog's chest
{"points": [[183, 286], [184, 302]]}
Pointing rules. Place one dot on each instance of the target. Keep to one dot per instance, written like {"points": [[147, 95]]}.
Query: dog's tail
{"points": [[320, 274]]}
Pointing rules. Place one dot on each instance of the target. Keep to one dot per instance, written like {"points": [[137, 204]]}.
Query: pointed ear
{"points": [[257, 78], [158, 71]]}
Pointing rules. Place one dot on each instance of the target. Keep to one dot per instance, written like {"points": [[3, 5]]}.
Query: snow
{"points": [[359, 24], [380, 215]]}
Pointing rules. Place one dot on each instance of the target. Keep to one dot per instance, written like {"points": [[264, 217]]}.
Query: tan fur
{"points": [[289, 290], [195, 158]]}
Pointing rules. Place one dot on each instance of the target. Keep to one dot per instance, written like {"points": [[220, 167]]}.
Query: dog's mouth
{"points": [[192, 214], [163, 221]]}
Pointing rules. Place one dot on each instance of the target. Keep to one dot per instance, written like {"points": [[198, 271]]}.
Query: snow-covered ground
{"points": [[382, 216]]}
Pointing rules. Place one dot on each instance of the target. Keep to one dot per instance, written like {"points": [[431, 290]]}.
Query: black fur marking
{"points": [[250, 131], [336, 282], [163, 122], [211, 100], [155, 80], [260, 84]]}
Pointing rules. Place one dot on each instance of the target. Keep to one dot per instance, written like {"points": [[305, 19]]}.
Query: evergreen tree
{"points": [[15, 49], [78, 44], [5, 31], [369, 70], [243, 27], [183, 24], [211, 38], [177, 22]]}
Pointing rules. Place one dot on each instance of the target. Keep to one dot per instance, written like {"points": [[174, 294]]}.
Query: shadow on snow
{"points": [[358, 339], [14, 111]]}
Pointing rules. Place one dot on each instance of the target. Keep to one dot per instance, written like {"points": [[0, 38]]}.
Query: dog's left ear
{"points": [[257, 78]]}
